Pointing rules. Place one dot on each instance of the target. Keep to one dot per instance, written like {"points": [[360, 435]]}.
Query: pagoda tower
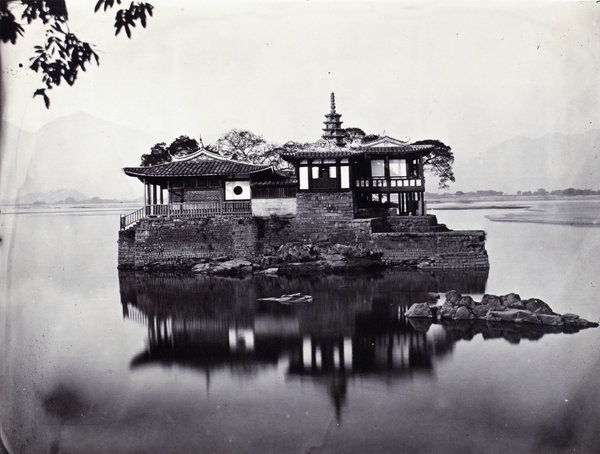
{"points": [[333, 131]]}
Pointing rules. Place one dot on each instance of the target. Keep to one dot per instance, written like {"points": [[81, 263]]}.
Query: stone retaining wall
{"points": [[325, 205], [415, 241], [450, 249]]}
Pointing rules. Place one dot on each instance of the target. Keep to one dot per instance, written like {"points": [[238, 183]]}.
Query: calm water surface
{"points": [[96, 361]]}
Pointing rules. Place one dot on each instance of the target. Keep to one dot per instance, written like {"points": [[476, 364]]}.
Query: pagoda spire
{"points": [[333, 130]]}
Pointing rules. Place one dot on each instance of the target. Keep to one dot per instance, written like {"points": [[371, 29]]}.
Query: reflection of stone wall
{"points": [[412, 241]]}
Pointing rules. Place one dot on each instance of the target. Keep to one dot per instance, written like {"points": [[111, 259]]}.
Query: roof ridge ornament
{"points": [[204, 154]]}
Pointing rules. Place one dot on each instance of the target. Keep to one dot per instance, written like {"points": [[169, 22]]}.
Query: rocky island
{"points": [[498, 309]]}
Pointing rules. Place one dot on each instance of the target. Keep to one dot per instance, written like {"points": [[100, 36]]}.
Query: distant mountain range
{"points": [[87, 154], [59, 195], [68, 196], [77, 151], [555, 161]]}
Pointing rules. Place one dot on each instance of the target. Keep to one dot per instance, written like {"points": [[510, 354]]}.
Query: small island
{"points": [[333, 203], [499, 309]]}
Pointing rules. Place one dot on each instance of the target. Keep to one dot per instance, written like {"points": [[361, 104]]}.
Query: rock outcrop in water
{"points": [[297, 259], [505, 308]]}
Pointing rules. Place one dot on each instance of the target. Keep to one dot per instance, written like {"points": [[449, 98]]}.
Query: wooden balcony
{"points": [[392, 183], [188, 210]]}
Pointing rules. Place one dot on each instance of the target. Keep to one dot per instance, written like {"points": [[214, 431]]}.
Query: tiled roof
{"points": [[401, 149], [285, 182], [194, 169], [341, 153], [350, 152]]}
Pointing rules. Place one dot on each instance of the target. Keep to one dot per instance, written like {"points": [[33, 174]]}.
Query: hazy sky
{"points": [[471, 74]]}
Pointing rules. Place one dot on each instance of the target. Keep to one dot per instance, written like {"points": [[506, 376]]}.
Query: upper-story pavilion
{"points": [[385, 173]]}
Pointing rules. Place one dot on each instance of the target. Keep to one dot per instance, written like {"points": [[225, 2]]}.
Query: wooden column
{"points": [[154, 197], [146, 194]]}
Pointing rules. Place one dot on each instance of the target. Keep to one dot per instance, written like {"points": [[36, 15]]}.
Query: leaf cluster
{"points": [[161, 153], [61, 58], [46, 10], [125, 18], [63, 54], [241, 145], [10, 30], [439, 161], [358, 136]]}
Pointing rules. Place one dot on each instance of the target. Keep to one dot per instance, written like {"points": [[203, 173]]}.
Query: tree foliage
{"points": [[183, 146], [371, 138], [352, 135], [63, 54], [127, 17], [160, 153], [439, 161], [241, 145]]}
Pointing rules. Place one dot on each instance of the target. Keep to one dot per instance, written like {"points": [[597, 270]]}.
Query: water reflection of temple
{"points": [[355, 327]]}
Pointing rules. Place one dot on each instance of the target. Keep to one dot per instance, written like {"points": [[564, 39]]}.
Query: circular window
{"points": [[238, 190]]}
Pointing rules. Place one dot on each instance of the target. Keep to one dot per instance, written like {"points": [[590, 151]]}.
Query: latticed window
{"points": [[202, 196]]}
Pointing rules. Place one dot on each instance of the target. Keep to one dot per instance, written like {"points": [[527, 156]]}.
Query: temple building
{"points": [[385, 173], [207, 184], [382, 177]]}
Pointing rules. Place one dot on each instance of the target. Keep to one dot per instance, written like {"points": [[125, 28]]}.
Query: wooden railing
{"points": [[393, 182], [188, 210], [237, 207], [131, 218]]}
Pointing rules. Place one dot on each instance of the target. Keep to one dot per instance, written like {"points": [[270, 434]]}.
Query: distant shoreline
{"points": [[542, 221], [482, 207], [467, 199], [577, 211]]}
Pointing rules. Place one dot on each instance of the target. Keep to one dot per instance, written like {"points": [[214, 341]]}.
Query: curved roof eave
{"points": [[177, 170]]}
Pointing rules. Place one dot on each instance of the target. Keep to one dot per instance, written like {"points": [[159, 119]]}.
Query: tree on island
{"points": [[243, 145], [160, 153], [439, 161], [63, 54], [352, 135]]}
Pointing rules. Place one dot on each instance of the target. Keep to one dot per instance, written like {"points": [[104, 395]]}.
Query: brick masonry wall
{"points": [[451, 249], [415, 241], [172, 243], [325, 205]]}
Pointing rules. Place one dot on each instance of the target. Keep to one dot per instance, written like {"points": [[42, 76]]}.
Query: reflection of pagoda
{"points": [[354, 327]]}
